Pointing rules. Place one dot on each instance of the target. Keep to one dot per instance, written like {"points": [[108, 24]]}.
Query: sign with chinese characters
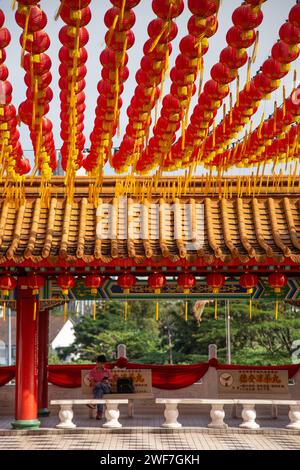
{"points": [[253, 382], [142, 380]]}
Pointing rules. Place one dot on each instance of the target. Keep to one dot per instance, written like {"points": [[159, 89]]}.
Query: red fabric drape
{"points": [[68, 376], [163, 377], [7, 373]]}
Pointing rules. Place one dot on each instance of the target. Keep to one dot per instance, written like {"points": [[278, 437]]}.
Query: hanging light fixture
{"points": [[7, 284], [35, 282], [186, 282], [249, 281], [65, 282], [215, 281], [156, 281], [126, 282], [277, 281], [94, 282]]}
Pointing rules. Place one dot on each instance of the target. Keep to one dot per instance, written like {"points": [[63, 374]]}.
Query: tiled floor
{"points": [[144, 433]]}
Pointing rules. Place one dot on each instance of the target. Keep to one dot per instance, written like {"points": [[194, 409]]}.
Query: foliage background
{"points": [[261, 340]]}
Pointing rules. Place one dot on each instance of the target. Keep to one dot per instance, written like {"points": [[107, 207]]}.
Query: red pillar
{"points": [[43, 342], [26, 405]]}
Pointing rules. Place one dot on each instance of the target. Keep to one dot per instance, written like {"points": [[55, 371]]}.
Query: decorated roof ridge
{"points": [[207, 230]]}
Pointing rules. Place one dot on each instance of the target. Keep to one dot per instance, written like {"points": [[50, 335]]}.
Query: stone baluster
{"points": [[171, 414]]}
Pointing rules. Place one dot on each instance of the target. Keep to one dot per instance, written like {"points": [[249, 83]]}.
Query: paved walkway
{"points": [[143, 433]]}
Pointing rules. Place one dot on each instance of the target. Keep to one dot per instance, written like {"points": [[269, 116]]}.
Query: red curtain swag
{"points": [[163, 376]]}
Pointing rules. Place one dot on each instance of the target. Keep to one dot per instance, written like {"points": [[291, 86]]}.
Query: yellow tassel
{"points": [[238, 90], [276, 310], [248, 74], [201, 68], [216, 310], [4, 311], [275, 117], [255, 49], [14, 4], [122, 11], [94, 310], [283, 102], [65, 311], [224, 118], [230, 104], [295, 79], [157, 311], [214, 134], [34, 310], [250, 309], [186, 312]]}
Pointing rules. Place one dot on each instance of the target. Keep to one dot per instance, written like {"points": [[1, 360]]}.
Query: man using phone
{"points": [[100, 378]]}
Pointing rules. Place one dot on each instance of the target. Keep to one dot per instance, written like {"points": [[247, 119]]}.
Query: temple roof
{"points": [[189, 229]]}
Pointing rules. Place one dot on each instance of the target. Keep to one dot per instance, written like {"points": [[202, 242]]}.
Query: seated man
{"points": [[99, 379]]}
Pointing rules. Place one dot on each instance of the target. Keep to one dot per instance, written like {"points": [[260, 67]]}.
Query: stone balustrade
{"points": [[217, 412]]}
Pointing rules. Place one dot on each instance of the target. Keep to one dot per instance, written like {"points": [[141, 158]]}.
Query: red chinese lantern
{"points": [[294, 16], [35, 282], [186, 282], [248, 281], [127, 22], [2, 18], [233, 58], [246, 18], [7, 284], [126, 282], [94, 282], [166, 9], [5, 38], [203, 8], [240, 39], [277, 281], [71, 19], [156, 281], [284, 53], [65, 282], [289, 33], [37, 19], [215, 281]]}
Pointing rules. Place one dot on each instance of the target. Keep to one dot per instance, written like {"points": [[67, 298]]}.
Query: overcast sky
{"points": [[275, 14]]}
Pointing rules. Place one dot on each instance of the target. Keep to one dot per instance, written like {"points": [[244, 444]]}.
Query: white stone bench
{"points": [[112, 412], [171, 413], [131, 397], [217, 412]]}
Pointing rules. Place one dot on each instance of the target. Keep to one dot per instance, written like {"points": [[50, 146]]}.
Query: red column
{"points": [[43, 342], [26, 406]]}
